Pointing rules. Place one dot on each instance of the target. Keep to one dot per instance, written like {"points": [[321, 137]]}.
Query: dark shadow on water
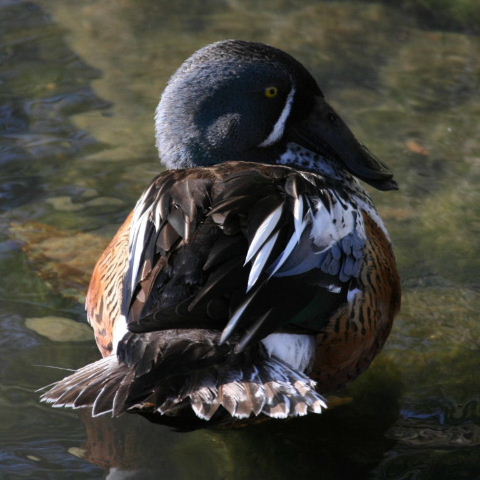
{"points": [[347, 441]]}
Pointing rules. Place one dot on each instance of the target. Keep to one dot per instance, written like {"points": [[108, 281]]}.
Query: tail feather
{"points": [[104, 401], [86, 385], [120, 398], [271, 388], [205, 410]]}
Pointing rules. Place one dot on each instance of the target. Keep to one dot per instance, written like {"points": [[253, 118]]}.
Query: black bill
{"points": [[325, 133]]}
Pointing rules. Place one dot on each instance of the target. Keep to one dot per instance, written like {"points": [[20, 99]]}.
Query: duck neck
{"points": [[301, 157]]}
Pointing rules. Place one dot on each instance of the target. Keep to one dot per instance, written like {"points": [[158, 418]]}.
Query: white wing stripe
{"points": [[263, 232], [137, 245], [227, 331], [298, 216], [289, 248], [158, 218], [260, 261]]}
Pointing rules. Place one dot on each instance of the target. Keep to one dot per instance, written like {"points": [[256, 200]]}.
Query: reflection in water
{"points": [[346, 442], [410, 91]]}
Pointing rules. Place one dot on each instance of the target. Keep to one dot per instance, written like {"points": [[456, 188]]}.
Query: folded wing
{"points": [[244, 248]]}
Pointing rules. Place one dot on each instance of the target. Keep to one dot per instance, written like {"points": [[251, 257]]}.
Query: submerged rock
{"points": [[63, 258], [64, 204], [104, 202], [60, 329]]}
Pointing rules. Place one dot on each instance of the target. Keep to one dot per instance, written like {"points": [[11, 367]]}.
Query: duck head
{"points": [[245, 101]]}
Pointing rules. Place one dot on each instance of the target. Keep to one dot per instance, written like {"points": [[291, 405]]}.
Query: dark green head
{"points": [[245, 101]]}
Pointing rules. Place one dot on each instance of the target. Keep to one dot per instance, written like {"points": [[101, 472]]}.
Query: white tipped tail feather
{"points": [[269, 387]]}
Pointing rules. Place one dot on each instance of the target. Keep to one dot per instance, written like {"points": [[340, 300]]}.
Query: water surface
{"points": [[79, 84]]}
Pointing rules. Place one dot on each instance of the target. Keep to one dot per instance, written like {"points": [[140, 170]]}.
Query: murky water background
{"points": [[79, 82]]}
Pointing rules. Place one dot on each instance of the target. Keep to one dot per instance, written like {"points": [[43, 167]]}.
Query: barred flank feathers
{"points": [[271, 388]]}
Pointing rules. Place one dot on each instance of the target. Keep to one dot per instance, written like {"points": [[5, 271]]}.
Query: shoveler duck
{"points": [[255, 273]]}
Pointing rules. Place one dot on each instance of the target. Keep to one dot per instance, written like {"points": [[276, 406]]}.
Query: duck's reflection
{"points": [[347, 441]]}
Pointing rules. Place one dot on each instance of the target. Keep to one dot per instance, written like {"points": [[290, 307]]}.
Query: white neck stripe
{"points": [[279, 127]]}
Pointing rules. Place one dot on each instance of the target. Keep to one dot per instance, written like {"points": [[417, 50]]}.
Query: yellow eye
{"points": [[271, 92]]}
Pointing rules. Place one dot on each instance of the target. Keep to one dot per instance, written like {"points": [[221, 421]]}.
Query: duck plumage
{"points": [[235, 286]]}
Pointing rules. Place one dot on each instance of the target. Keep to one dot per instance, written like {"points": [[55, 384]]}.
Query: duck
{"points": [[254, 274]]}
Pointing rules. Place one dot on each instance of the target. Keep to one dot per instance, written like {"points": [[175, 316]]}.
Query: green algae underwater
{"points": [[80, 82]]}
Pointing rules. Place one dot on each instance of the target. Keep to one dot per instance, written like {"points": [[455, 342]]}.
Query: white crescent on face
{"points": [[279, 127]]}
